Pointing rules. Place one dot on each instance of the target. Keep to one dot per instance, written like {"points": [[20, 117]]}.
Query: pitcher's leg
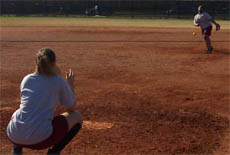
{"points": [[208, 44]]}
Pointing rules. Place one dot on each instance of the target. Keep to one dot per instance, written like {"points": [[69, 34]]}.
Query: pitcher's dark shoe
{"points": [[207, 52], [211, 49]]}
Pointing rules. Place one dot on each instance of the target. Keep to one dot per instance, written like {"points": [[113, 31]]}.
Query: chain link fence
{"points": [[115, 8]]}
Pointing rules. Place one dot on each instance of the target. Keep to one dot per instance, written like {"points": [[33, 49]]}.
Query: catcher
{"points": [[33, 125]]}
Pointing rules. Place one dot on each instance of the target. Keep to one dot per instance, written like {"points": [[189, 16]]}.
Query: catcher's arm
{"points": [[217, 25]]}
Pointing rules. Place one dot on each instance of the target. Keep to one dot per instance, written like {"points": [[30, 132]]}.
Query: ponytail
{"points": [[44, 60]]}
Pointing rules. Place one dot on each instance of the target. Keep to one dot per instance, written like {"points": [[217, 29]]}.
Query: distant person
{"points": [[92, 11], [33, 125], [96, 10], [204, 20]]}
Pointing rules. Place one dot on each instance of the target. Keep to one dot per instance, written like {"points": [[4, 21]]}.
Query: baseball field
{"points": [[143, 86]]}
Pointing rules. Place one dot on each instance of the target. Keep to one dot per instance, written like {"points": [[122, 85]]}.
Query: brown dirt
{"points": [[136, 97]]}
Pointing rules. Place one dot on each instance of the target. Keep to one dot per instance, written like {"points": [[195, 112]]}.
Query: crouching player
{"points": [[204, 20], [33, 125]]}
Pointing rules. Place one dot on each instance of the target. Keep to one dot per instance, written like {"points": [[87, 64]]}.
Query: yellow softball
{"points": [[194, 33]]}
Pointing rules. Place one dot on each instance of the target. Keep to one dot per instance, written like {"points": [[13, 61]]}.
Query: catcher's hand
{"points": [[217, 27]]}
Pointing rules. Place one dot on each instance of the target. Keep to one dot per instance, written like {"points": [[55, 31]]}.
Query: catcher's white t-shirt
{"points": [[203, 19], [32, 122]]}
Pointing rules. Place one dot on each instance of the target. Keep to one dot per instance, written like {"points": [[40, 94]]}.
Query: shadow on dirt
{"points": [[222, 52], [167, 131]]}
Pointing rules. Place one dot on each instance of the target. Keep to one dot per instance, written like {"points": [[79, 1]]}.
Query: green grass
{"points": [[101, 22]]}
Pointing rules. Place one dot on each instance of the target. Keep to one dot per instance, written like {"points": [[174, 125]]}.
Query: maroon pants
{"points": [[207, 31], [60, 129]]}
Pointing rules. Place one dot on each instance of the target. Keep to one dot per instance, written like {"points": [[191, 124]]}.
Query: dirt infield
{"points": [[140, 90]]}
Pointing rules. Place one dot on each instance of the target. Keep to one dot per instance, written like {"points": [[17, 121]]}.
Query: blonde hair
{"points": [[44, 59]]}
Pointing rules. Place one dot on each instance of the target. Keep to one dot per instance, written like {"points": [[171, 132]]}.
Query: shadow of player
{"points": [[221, 52]]}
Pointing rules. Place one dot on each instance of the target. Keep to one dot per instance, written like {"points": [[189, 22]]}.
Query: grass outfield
{"points": [[101, 22]]}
